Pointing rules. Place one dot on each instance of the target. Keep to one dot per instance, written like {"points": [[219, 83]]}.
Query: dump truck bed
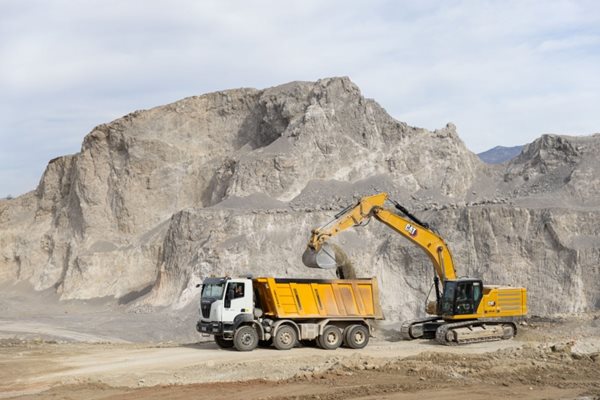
{"points": [[318, 298]]}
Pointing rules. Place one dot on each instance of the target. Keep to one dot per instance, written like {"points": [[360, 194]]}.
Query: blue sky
{"points": [[503, 71]]}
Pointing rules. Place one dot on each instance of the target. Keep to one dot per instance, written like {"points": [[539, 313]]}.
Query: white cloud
{"points": [[504, 72], [570, 43]]}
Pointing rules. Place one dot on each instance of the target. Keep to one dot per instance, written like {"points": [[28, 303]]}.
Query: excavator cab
{"points": [[461, 297]]}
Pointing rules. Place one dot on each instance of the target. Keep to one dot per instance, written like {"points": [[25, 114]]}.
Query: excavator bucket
{"points": [[325, 258]]}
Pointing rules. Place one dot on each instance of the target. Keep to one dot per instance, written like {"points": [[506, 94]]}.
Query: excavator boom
{"points": [[319, 254]]}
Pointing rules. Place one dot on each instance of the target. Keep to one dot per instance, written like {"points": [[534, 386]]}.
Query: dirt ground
{"points": [[548, 360]]}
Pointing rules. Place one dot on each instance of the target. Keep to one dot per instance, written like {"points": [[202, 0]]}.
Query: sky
{"points": [[504, 72]]}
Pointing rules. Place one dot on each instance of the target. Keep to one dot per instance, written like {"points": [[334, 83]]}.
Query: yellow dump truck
{"points": [[245, 313]]}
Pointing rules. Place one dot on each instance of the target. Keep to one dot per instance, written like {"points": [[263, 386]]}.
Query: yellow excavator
{"points": [[465, 310]]}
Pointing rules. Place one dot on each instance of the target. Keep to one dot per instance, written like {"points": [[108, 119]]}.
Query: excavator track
{"points": [[417, 328], [456, 333]]}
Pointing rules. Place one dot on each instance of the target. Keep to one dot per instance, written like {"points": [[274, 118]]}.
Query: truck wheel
{"points": [[331, 338], [285, 338], [223, 343], [245, 338], [357, 336]]}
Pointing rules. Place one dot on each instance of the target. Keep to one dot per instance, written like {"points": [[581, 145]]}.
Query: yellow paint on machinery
{"points": [[504, 301], [310, 298], [498, 302]]}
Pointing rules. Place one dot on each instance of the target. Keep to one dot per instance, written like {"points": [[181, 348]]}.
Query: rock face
{"points": [[232, 182]]}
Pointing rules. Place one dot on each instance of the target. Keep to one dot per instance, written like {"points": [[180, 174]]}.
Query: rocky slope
{"points": [[232, 182]]}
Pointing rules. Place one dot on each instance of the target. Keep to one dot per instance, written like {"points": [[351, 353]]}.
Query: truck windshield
{"points": [[213, 290]]}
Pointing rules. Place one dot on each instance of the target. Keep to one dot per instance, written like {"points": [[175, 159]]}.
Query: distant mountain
{"points": [[500, 154]]}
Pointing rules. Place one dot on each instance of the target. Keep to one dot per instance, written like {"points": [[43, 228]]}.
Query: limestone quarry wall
{"points": [[232, 182]]}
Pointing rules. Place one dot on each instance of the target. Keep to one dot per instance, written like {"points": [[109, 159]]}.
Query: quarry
{"points": [[99, 265]]}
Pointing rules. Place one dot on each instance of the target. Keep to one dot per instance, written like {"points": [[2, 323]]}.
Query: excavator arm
{"points": [[319, 255], [347, 218]]}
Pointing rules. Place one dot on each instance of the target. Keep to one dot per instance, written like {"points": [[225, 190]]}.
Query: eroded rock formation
{"points": [[232, 182]]}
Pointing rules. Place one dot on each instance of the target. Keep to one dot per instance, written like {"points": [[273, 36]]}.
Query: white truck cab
{"points": [[222, 300]]}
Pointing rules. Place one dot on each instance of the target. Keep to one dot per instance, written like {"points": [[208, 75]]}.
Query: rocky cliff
{"points": [[232, 182]]}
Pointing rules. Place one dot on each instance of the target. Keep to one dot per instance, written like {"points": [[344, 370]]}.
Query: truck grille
{"points": [[205, 307]]}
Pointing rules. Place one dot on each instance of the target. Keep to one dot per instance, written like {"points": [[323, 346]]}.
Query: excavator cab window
{"points": [[461, 297], [448, 298], [468, 296]]}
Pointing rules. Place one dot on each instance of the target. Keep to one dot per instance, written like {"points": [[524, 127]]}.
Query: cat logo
{"points": [[411, 230]]}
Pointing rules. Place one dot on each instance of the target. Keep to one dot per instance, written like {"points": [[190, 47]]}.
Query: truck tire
{"points": [[331, 338], [245, 338], [285, 338], [357, 336], [223, 343]]}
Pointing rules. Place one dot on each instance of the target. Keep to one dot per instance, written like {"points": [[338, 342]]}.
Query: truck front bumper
{"points": [[212, 328]]}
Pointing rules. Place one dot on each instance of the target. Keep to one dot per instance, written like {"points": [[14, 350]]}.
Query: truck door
{"points": [[238, 299]]}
